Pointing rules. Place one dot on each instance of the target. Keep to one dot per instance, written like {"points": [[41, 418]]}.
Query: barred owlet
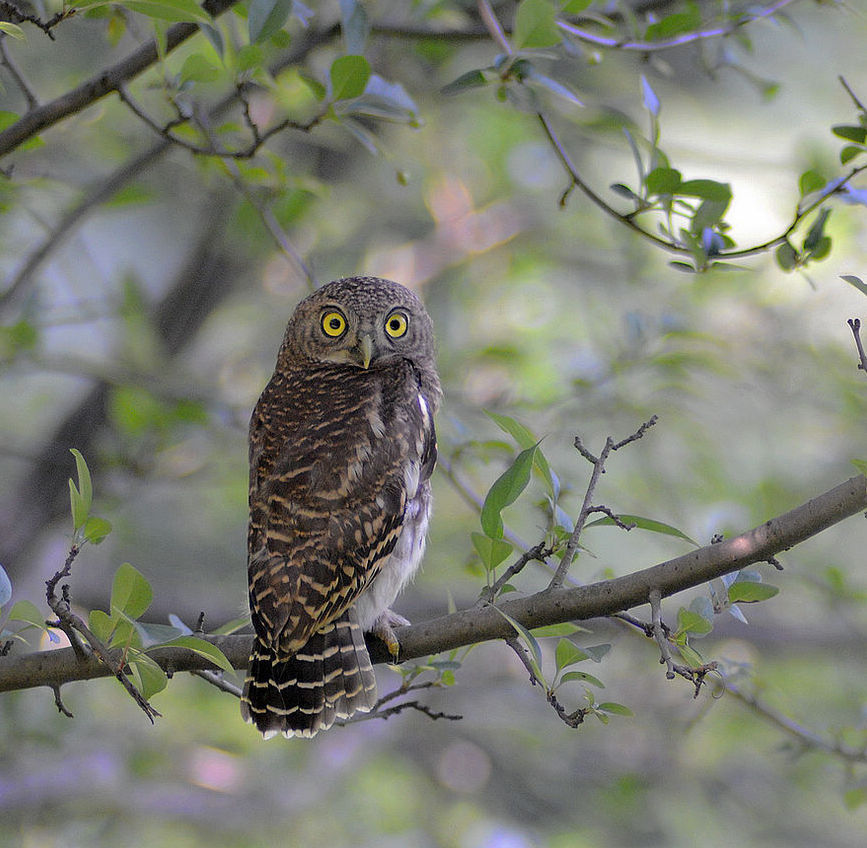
{"points": [[342, 446]]}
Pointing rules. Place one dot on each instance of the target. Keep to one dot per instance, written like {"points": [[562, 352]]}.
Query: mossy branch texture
{"points": [[552, 606]]}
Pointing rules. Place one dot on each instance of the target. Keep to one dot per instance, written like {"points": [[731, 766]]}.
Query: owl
{"points": [[342, 446]]}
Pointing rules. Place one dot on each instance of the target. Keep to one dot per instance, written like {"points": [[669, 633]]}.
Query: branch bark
{"points": [[55, 668], [103, 83]]}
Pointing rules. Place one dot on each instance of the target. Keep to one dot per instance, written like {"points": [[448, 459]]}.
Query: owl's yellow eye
{"points": [[396, 325], [333, 324]]}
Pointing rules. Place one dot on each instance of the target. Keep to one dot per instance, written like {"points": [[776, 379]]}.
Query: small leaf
{"points": [[201, 647], [28, 612], [861, 465], [148, 676], [526, 439], [810, 181], [649, 98], [706, 189], [471, 79], [265, 17], [535, 25], [584, 677], [787, 256], [816, 231], [855, 281], [568, 653], [505, 490], [566, 628], [84, 491], [690, 656], [849, 152], [745, 592], [102, 624], [12, 29], [529, 640], [197, 68], [349, 76], [663, 181], [642, 523], [5, 587], [597, 652], [615, 709], [491, 551], [689, 621], [850, 133], [96, 529], [130, 592]]}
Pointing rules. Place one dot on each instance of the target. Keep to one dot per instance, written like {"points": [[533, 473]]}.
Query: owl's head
{"points": [[365, 322]]}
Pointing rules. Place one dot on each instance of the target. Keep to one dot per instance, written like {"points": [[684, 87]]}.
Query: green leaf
{"points": [[28, 612], [861, 465], [201, 647], [96, 529], [12, 29], [506, 489], [747, 592], [642, 523], [576, 7], [690, 656], [526, 439], [855, 797], [674, 24], [584, 677], [130, 592], [265, 17], [614, 709], [662, 181], [787, 256], [102, 624], [236, 624], [689, 621], [568, 653], [471, 79], [810, 181], [491, 551], [162, 10], [706, 189], [529, 640], [850, 133], [148, 676], [816, 231], [535, 25], [849, 152], [197, 68], [349, 76], [85, 485], [855, 281], [597, 652], [566, 628]]}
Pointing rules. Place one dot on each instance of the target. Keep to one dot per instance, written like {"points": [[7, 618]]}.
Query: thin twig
{"points": [[675, 41], [215, 678], [492, 25], [12, 13], [587, 508], [9, 63], [803, 735], [538, 553], [855, 326], [58, 702]]}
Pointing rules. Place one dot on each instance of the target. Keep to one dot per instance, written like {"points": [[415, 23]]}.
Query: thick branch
{"points": [[105, 82], [53, 668]]}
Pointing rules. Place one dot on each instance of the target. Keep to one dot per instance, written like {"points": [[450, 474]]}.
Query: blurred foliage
{"points": [[147, 284]]}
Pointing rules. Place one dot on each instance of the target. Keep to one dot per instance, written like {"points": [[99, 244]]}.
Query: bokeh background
{"points": [[151, 327]]}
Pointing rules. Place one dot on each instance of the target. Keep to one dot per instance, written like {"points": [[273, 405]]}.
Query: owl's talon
{"points": [[383, 628]]}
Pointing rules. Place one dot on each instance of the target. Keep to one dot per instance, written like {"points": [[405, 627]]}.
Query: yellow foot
{"points": [[383, 628]]}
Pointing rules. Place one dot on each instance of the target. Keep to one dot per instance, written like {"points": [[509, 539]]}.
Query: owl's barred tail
{"points": [[330, 677]]}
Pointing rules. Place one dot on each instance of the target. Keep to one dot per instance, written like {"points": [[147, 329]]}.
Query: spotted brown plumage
{"points": [[342, 446]]}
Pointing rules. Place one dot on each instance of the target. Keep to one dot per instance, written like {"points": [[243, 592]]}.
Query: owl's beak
{"points": [[365, 350]]}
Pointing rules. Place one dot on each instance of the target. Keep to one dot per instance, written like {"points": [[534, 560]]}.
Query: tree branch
{"points": [[101, 84], [551, 606]]}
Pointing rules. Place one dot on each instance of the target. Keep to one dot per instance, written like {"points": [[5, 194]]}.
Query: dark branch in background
{"points": [[551, 606], [13, 14], [200, 285], [855, 326], [103, 83], [9, 63]]}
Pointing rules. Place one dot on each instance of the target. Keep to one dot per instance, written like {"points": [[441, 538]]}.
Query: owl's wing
{"points": [[328, 501]]}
